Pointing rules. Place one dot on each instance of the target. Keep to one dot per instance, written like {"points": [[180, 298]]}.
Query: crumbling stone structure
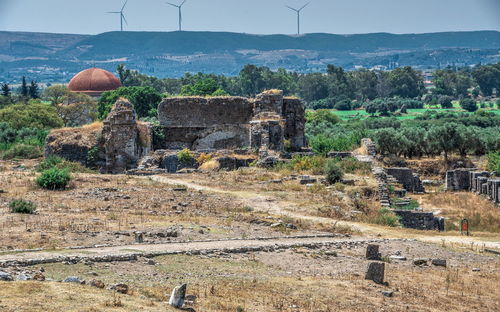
{"points": [[470, 179], [264, 125], [122, 143], [420, 220], [407, 178]]}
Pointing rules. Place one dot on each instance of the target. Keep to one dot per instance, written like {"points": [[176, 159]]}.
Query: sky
{"points": [[252, 16]]}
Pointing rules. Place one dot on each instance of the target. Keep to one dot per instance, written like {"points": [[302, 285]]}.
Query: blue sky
{"points": [[253, 16]]}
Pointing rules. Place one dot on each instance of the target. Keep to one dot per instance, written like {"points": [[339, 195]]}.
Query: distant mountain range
{"points": [[57, 57]]}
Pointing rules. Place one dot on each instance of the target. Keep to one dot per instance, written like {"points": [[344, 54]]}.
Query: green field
{"points": [[412, 113]]}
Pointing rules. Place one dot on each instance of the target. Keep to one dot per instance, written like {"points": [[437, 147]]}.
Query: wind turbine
{"points": [[298, 15], [180, 12], [122, 17]]}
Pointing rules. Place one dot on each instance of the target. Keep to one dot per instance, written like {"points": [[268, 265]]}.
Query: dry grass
{"points": [[482, 214], [56, 297], [251, 288]]}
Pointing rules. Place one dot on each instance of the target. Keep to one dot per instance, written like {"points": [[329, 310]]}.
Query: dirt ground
{"points": [[245, 204], [301, 279]]}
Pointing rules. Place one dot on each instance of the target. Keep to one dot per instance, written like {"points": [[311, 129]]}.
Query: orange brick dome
{"points": [[94, 81]]}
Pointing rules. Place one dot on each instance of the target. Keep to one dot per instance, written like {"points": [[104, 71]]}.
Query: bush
{"points": [[54, 179], [185, 156], [203, 158], [144, 99], [33, 115], [469, 105], [343, 105], [445, 101], [333, 172], [61, 163], [494, 162], [386, 217], [22, 206], [23, 151]]}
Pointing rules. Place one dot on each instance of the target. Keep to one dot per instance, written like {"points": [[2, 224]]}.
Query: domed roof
{"points": [[94, 80]]}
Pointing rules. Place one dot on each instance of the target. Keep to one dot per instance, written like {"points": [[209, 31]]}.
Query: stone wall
{"points": [[475, 181], [420, 220], [197, 123], [122, 139], [294, 114], [405, 176], [201, 112], [232, 122]]}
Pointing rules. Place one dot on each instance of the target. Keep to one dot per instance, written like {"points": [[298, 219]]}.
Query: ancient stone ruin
{"points": [[260, 126], [473, 180]]}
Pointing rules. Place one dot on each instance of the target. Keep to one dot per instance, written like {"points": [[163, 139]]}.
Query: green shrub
{"points": [[333, 172], [54, 179], [185, 156], [61, 163], [22, 206], [23, 151], [386, 217], [352, 165], [494, 162], [468, 104], [33, 115]]}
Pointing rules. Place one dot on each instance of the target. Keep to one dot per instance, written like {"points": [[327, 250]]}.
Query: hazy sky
{"points": [[253, 16]]}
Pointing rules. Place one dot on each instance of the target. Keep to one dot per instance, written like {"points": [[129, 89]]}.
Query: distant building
{"points": [[93, 82]]}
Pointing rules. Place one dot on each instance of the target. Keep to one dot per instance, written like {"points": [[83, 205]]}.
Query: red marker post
{"points": [[464, 226]]}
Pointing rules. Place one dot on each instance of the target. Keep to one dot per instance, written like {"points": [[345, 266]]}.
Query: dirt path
{"points": [[270, 205], [170, 248]]}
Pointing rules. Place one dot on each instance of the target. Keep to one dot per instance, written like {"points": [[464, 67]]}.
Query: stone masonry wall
{"points": [[475, 181], [294, 113], [232, 122], [420, 220], [121, 138], [405, 176]]}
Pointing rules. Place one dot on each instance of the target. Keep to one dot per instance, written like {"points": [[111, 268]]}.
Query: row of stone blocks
{"points": [[470, 179]]}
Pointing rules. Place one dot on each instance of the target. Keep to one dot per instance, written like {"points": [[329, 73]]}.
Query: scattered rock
{"points": [[372, 252], [388, 293], [121, 288], [397, 258], [139, 237], [74, 279], [439, 262], [6, 277], [97, 284], [476, 269], [178, 296], [151, 262], [23, 277], [376, 272], [420, 262], [39, 276]]}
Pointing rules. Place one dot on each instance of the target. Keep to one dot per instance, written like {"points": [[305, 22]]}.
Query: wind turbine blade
{"points": [[113, 12], [291, 8], [174, 5], [183, 3], [304, 6], [124, 19], [124, 5]]}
